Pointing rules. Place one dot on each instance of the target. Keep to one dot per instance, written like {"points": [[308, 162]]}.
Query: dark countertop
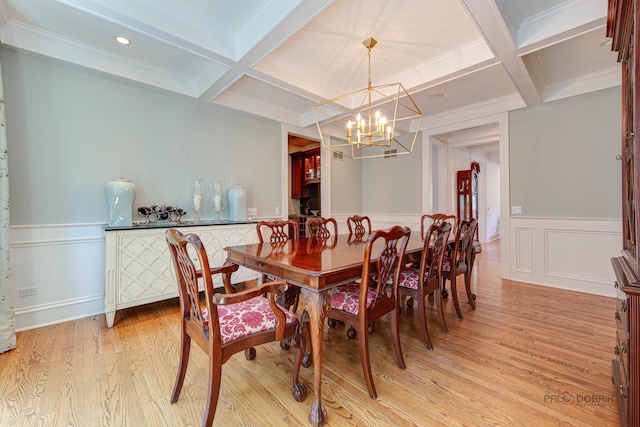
{"points": [[170, 224]]}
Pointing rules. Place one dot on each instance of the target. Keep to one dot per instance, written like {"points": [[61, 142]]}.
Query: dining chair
{"points": [[216, 323], [419, 282], [321, 228], [321, 233], [437, 218], [461, 262], [359, 225], [281, 231], [360, 304]]}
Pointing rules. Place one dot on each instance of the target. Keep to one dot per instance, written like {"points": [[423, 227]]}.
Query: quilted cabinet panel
{"points": [[144, 267]]}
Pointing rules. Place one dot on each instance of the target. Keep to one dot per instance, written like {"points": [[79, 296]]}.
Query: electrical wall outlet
{"points": [[27, 292], [516, 210], [277, 210], [252, 211]]}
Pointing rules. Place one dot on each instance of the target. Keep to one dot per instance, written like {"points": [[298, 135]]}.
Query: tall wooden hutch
{"points": [[623, 23], [467, 197]]}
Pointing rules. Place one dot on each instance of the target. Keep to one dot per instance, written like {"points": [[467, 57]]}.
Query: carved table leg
{"points": [[317, 305]]}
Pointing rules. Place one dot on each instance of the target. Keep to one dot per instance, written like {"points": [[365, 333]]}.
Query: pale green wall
{"points": [[563, 157], [346, 186], [71, 129], [393, 185]]}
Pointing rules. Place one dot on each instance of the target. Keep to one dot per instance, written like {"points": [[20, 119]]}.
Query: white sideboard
{"points": [[138, 268]]}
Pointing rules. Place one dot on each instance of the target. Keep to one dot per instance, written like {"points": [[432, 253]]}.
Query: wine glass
{"points": [[197, 199]]}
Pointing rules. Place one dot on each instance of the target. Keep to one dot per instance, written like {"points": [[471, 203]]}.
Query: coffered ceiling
{"points": [[276, 58]]}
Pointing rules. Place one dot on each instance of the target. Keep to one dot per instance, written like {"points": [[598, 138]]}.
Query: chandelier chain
{"points": [[369, 54]]}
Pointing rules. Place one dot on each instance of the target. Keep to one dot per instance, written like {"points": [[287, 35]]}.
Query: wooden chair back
{"points": [[281, 230], [433, 254], [436, 219], [321, 228], [359, 225], [462, 255], [386, 269]]}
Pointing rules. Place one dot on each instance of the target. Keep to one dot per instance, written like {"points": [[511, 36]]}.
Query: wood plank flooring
{"points": [[527, 356]]}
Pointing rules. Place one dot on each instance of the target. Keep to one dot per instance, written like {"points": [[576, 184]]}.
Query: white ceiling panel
{"points": [[576, 57]]}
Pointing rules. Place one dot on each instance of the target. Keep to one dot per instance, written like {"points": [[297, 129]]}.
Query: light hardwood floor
{"points": [[527, 356]]}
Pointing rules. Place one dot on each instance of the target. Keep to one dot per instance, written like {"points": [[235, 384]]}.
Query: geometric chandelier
{"points": [[367, 123]]}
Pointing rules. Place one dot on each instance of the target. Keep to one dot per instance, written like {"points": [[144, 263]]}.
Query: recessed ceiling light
{"points": [[123, 40], [436, 95]]}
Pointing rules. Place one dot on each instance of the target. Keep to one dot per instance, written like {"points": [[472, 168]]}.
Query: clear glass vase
{"points": [[197, 199], [217, 199]]}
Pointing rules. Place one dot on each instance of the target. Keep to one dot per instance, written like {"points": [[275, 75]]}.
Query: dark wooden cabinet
{"points": [[297, 174], [467, 195], [305, 170], [312, 169], [622, 22]]}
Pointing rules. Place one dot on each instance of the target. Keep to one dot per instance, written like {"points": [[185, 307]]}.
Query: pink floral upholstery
{"points": [[446, 264], [409, 277], [246, 318], [345, 297]]}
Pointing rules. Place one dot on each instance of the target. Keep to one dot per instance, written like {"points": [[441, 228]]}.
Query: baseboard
{"points": [[60, 311]]}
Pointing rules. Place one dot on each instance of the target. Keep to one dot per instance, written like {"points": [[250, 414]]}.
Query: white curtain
{"points": [[7, 313]]}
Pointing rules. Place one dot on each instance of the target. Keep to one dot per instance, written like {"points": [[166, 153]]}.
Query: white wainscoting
{"points": [[66, 264], [566, 253]]}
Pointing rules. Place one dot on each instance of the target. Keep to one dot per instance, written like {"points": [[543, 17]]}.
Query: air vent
{"points": [[390, 153], [337, 155]]}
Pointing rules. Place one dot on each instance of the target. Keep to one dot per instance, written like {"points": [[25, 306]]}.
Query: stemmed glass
{"points": [[197, 200]]}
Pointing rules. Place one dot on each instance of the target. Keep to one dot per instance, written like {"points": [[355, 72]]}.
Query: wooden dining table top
{"points": [[310, 262]]}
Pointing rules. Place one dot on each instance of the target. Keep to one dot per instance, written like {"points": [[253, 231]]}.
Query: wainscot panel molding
{"points": [[523, 249], [567, 253], [66, 265]]}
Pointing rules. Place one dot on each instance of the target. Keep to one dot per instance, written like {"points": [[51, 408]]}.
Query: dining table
{"points": [[316, 266]]}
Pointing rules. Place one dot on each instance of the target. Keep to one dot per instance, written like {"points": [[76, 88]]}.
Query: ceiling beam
{"points": [[494, 30]]}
